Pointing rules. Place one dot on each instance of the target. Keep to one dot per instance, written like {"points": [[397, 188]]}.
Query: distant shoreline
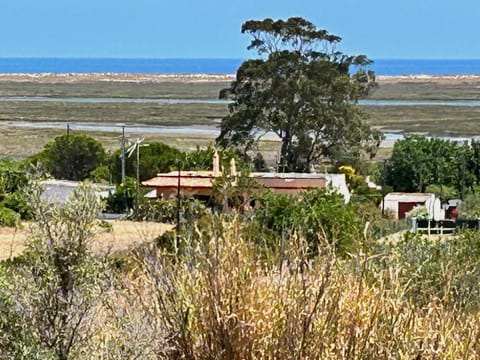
{"points": [[114, 77], [157, 78]]}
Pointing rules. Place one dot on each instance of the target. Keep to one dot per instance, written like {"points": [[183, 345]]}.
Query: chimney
{"points": [[233, 168], [216, 165]]}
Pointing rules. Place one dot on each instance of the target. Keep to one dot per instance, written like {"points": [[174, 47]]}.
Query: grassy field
{"points": [[427, 88], [430, 120], [123, 236]]}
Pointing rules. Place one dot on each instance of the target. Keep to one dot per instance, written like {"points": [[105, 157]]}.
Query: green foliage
{"points": [[376, 225], [469, 208], [54, 288], [418, 162], [72, 156], [235, 192], [12, 177], [165, 210], [101, 174], [154, 158], [419, 211], [277, 212], [12, 204], [443, 192], [301, 91], [200, 159], [447, 270], [123, 198], [9, 217], [321, 216], [16, 202]]}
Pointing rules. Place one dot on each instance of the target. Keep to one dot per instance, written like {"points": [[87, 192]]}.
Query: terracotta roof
{"points": [[191, 179], [285, 181]]}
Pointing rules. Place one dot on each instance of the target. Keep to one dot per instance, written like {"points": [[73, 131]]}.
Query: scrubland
{"points": [[227, 289]]}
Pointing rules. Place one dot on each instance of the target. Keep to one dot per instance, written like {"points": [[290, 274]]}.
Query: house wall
{"points": [[167, 193], [391, 206]]}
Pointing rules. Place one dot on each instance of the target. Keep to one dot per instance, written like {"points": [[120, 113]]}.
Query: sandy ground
{"points": [[135, 78], [441, 79], [158, 78], [123, 236]]}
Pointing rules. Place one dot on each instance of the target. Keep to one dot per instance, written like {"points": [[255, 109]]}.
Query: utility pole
{"points": [[69, 159], [136, 146], [177, 235], [137, 197], [383, 187], [122, 155]]}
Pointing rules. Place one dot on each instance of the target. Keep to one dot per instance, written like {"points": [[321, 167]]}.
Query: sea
{"points": [[387, 67]]}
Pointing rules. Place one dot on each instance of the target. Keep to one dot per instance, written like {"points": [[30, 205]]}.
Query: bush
{"points": [[469, 208], [123, 198], [12, 178], [320, 215], [72, 157], [51, 294], [446, 270], [16, 202], [8, 217]]}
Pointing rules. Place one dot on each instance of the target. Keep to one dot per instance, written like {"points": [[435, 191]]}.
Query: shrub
{"points": [[72, 156], [55, 287], [123, 198], [222, 298], [469, 208], [8, 217], [320, 215], [447, 270], [16, 202]]}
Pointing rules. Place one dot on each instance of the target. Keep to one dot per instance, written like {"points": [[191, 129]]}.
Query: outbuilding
{"points": [[399, 203]]}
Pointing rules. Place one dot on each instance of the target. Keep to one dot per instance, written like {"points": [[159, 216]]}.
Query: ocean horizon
{"points": [[382, 67]]}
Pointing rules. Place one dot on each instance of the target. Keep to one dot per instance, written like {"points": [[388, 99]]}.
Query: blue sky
{"points": [[381, 29]]}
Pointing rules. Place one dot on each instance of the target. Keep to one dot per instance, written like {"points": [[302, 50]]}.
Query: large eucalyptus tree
{"points": [[302, 89]]}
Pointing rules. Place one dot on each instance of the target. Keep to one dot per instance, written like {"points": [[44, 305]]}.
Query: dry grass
{"points": [[122, 236], [221, 296], [222, 299]]}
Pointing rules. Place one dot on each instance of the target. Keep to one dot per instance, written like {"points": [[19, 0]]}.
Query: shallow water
{"points": [[471, 103]]}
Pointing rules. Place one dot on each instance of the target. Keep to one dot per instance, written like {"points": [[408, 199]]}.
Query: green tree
{"points": [[12, 203], [320, 215], [155, 158], [418, 162], [72, 156], [301, 89]]}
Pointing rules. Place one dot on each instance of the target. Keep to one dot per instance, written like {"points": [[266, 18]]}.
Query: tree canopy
{"points": [[418, 162], [72, 156], [155, 158], [301, 89]]}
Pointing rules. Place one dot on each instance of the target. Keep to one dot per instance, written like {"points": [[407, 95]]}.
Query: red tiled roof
{"points": [[191, 179]]}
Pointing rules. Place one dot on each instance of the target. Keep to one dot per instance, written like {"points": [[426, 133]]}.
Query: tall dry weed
{"points": [[221, 297]]}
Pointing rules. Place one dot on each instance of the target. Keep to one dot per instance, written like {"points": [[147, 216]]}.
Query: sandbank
{"points": [[159, 78], [114, 77]]}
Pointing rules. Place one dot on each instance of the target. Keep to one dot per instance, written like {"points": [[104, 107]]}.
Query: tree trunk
{"points": [[285, 157]]}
